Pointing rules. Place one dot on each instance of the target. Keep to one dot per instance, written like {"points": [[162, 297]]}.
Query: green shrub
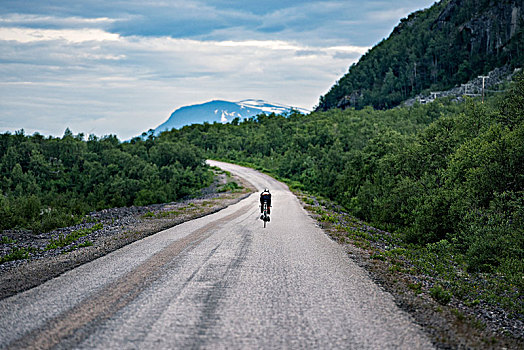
{"points": [[16, 253], [378, 257], [46, 183], [230, 186], [494, 235], [440, 294], [7, 240], [63, 241], [53, 219]]}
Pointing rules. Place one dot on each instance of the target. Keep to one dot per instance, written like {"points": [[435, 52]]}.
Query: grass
{"points": [[64, 241], [309, 201], [17, 253], [85, 244], [163, 214], [415, 287], [328, 218], [440, 294], [217, 170], [458, 314], [443, 269], [7, 240], [81, 245], [377, 257], [230, 186]]}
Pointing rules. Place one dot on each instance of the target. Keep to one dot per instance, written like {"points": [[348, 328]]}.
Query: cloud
{"points": [[338, 22], [388, 15], [53, 21], [122, 67], [27, 35], [97, 81]]}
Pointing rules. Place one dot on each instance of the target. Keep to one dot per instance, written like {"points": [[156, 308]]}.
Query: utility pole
{"points": [[483, 77]]}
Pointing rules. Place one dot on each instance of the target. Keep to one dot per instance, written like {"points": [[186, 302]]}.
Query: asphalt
{"points": [[218, 282]]}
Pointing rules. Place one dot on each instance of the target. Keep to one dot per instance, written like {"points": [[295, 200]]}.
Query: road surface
{"points": [[218, 282]]}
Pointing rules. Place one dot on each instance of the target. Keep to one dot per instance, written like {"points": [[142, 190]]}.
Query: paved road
{"points": [[221, 281]]}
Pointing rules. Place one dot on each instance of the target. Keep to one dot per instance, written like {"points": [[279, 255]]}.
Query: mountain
{"points": [[221, 111], [450, 43]]}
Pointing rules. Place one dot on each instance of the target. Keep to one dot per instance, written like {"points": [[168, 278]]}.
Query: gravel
{"points": [[120, 226], [451, 326]]}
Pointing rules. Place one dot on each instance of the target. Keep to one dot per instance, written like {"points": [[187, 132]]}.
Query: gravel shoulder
{"points": [[453, 325], [104, 232]]}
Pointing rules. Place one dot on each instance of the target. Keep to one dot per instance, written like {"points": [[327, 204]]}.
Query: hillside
{"points": [[435, 49]]}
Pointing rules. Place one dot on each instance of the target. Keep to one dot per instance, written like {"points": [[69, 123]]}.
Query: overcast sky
{"points": [[121, 67]]}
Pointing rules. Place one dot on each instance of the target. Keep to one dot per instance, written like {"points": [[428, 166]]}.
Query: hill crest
{"points": [[223, 112], [436, 49]]}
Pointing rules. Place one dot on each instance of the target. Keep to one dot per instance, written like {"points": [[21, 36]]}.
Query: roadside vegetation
{"points": [[447, 179], [65, 240], [12, 250], [51, 182], [119, 223], [437, 269], [469, 309], [27, 260]]}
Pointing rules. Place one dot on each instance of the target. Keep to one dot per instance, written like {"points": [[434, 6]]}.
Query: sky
{"points": [[122, 67]]}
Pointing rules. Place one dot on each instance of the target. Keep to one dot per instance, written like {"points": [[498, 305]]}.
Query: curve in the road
{"points": [[221, 281]]}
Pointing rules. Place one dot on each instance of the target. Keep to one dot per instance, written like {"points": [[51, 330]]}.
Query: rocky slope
{"points": [[451, 324], [444, 46], [103, 232], [473, 88]]}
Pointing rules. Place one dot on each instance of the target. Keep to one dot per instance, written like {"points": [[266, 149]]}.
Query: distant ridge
{"points": [[223, 112]]}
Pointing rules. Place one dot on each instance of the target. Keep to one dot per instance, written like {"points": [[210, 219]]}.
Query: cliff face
{"points": [[491, 28], [435, 49]]}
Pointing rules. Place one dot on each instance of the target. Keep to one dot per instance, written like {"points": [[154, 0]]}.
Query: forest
{"points": [[432, 50], [442, 171], [51, 182]]}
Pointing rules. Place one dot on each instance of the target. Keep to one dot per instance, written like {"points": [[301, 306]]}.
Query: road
{"points": [[218, 282]]}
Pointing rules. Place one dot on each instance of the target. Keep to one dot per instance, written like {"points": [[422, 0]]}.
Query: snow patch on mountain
{"points": [[269, 107], [232, 115], [223, 112]]}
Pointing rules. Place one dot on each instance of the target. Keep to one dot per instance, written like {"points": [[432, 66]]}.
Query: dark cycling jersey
{"points": [[265, 197]]}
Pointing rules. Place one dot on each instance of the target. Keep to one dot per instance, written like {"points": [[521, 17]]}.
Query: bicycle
{"points": [[265, 217]]}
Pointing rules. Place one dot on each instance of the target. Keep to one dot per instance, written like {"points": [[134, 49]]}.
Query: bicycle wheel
{"points": [[264, 218]]}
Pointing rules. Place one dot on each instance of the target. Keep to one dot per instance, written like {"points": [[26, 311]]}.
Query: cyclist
{"points": [[265, 197]]}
